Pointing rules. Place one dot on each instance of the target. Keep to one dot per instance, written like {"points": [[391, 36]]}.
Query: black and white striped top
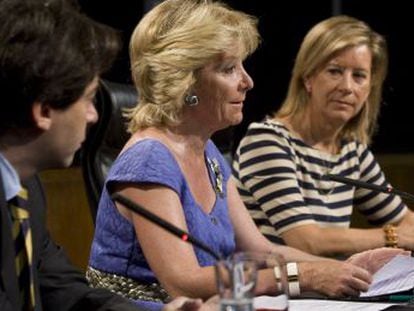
{"points": [[281, 181]]}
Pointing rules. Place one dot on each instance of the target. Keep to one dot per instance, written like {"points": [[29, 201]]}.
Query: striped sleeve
{"points": [[379, 208], [265, 171]]}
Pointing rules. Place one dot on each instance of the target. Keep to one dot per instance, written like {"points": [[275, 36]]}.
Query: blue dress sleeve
{"points": [[147, 161]]}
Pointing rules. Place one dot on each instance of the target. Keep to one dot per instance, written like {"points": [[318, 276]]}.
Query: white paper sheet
{"points": [[329, 305], [396, 276], [272, 303]]}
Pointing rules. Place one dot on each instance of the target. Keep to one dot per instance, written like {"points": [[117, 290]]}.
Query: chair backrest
{"points": [[107, 137]]}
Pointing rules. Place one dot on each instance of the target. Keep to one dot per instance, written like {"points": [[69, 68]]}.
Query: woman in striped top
{"points": [[324, 127]]}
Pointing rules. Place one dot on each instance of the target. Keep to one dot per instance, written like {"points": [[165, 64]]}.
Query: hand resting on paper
{"points": [[374, 259]]}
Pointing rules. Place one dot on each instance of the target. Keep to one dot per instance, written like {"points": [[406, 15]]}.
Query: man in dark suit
{"points": [[51, 57], [50, 60]]}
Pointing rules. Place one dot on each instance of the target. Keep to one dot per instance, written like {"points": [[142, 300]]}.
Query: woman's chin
{"points": [[236, 119]]}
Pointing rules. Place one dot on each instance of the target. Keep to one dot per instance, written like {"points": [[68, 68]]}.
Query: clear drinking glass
{"points": [[236, 281]]}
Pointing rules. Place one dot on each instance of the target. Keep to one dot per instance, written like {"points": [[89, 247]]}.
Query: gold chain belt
{"points": [[126, 287]]}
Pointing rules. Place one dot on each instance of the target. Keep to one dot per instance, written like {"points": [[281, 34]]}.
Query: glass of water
{"points": [[236, 282]]}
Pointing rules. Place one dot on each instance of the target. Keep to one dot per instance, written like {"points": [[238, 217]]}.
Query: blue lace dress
{"points": [[115, 249]]}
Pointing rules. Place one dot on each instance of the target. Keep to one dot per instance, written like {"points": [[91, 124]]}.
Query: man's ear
{"points": [[42, 115]]}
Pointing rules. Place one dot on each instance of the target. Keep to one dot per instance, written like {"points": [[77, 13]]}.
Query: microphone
{"points": [[185, 236], [377, 188]]}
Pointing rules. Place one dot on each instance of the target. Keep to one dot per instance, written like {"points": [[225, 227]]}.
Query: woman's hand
{"points": [[405, 231], [183, 304], [374, 259], [190, 304], [333, 278]]}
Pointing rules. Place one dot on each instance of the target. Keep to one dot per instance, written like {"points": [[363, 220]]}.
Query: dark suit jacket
{"points": [[58, 284]]}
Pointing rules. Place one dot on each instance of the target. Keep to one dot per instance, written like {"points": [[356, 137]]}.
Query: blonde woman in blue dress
{"points": [[187, 63]]}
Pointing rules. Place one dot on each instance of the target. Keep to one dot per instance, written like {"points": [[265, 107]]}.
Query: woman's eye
{"points": [[229, 69], [334, 71], [360, 75]]}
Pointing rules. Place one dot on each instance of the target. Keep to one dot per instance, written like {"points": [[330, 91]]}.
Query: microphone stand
{"points": [[136, 208], [377, 188]]}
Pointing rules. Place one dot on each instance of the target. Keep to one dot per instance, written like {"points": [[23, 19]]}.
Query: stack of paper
{"points": [[394, 277]]}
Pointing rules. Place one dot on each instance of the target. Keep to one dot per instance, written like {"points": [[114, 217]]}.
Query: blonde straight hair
{"points": [[323, 42]]}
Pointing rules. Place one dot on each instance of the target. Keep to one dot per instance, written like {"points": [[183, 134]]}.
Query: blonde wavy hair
{"points": [[171, 43], [323, 42]]}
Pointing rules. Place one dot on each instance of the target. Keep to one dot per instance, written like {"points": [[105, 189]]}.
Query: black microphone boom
{"points": [[162, 223], [377, 188]]}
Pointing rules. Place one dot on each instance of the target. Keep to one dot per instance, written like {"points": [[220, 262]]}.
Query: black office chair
{"points": [[107, 137]]}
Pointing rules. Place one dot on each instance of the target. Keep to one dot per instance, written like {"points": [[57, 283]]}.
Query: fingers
{"points": [[213, 300], [341, 279], [212, 304], [349, 292], [362, 275], [354, 281], [183, 304], [174, 304], [379, 257], [374, 259], [388, 251], [192, 305], [360, 281]]}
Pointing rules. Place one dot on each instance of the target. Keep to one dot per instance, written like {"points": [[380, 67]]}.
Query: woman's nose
{"points": [[345, 83], [247, 81]]}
